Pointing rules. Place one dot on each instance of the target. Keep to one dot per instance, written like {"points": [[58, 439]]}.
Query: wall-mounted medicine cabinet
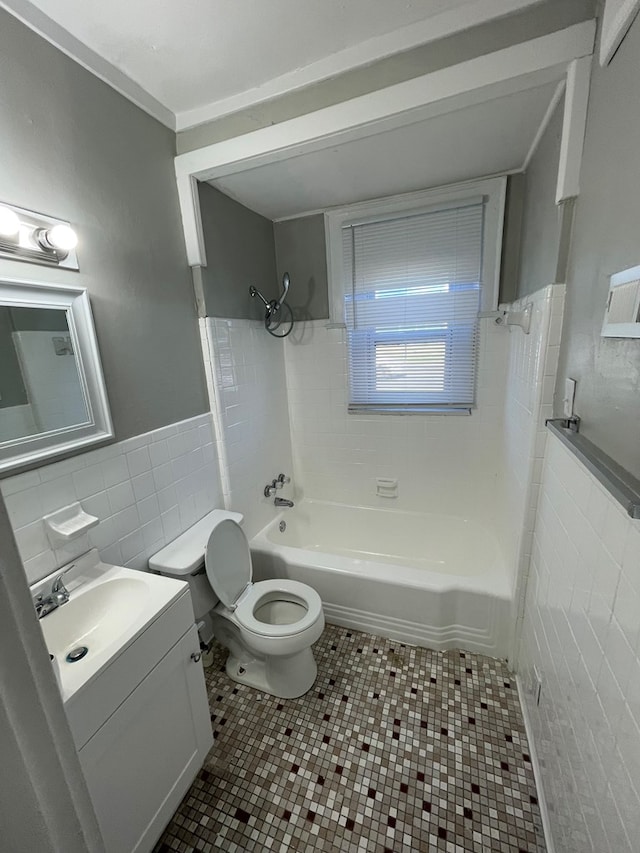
{"points": [[53, 398], [622, 314]]}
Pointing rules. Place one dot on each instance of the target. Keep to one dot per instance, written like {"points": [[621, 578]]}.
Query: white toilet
{"points": [[268, 626]]}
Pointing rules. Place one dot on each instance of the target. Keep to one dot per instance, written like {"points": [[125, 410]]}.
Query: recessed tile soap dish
{"points": [[68, 523]]}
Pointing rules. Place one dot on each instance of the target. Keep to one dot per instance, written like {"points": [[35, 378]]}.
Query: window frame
{"points": [[492, 192]]}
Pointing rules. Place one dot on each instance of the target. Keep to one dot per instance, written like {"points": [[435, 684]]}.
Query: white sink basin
{"points": [[109, 607]]}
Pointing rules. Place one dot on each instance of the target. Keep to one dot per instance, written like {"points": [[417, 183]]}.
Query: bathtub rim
{"points": [[497, 582]]}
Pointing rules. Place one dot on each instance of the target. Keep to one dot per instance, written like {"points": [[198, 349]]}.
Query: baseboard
{"points": [[542, 802], [416, 634]]}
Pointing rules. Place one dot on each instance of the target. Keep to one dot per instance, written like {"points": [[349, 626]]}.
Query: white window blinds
{"points": [[412, 297]]}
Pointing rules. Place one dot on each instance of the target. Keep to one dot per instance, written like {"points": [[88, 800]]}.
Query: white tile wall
{"points": [[443, 463], [145, 491], [248, 394], [582, 633], [532, 362]]}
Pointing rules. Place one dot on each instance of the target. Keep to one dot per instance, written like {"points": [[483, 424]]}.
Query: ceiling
{"points": [[191, 60], [491, 137]]}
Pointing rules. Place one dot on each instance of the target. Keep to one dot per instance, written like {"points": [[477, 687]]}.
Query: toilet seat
{"points": [[228, 565], [227, 561], [255, 596]]}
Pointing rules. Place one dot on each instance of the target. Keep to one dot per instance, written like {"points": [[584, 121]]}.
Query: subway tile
{"points": [[163, 476], [103, 534], [158, 453], [126, 521], [70, 550], [61, 469], [131, 544], [143, 485], [171, 523], [20, 482], [153, 535], [112, 555], [121, 496], [57, 493], [97, 505], [592, 682], [88, 481], [115, 471], [40, 566], [32, 540], [138, 461], [167, 498], [24, 506]]}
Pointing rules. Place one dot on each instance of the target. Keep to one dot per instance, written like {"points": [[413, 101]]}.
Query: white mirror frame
{"points": [[36, 449]]}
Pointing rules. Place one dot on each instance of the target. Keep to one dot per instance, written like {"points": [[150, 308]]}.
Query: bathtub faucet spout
{"points": [[282, 502]]}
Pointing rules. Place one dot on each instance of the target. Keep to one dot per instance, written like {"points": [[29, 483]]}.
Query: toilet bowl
{"points": [[268, 626]]}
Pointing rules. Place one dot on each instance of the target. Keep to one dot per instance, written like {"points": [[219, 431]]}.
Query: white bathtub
{"points": [[436, 581]]}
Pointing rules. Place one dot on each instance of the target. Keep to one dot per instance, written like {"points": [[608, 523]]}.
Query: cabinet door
{"points": [[140, 763]]}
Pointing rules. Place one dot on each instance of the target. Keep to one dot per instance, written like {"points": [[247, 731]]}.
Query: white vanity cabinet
{"points": [[152, 736]]}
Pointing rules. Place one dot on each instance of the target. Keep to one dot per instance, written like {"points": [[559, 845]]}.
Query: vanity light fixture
{"points": [[35, 238], [61, 238], [9, 222]]}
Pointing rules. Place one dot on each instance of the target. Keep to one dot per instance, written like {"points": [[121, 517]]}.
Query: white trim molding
{"points": [[544, 124], [573, 128], [514, 69], [56, 35], [535, 764], [374, 49], [618, 17], [356, 56]]}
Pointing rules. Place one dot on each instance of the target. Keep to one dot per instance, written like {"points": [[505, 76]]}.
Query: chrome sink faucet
{"points": [[58, 596]]}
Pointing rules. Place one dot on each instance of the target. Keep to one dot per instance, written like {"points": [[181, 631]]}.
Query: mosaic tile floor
{"points": [[394, 749]]}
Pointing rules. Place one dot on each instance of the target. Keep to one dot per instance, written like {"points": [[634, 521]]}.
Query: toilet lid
{"points": [[228, 561]]}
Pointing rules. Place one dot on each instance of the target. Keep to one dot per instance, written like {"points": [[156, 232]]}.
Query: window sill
{"points": [[409, 410]]}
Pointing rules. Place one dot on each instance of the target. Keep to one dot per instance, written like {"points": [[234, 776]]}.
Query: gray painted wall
{"points": [[605, 241], [74, 148], [543, 18], [540, 238], [240, 252], [301, 251], [511, 238]]}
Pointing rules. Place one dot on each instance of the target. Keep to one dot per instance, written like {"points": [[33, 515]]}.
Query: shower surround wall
{"points": [[245, 372], [444, 464], [532, 363], [582, 637]]}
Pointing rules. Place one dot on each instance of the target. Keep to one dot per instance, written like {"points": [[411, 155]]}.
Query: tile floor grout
{"points": [[395, 748]]}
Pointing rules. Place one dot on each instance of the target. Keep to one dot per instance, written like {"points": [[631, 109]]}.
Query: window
{"points": [[412, 290]]}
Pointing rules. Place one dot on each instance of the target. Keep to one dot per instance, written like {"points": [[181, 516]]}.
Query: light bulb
{"points": [[9, 222], [62, 237]]}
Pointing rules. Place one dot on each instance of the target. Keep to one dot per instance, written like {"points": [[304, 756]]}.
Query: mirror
{"points": [[52, 394]]}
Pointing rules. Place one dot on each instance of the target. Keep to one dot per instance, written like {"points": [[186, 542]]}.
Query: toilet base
{"points": [[286, 676]]}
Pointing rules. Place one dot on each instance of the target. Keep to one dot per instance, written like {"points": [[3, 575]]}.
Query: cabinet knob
{"points": [[195, 656]]}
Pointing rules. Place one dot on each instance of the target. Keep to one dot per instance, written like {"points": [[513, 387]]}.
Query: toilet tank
{"points": [[184, 559]]}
